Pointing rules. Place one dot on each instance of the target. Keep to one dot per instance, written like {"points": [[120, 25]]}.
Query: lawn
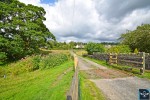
{"points": [[47, 84]]}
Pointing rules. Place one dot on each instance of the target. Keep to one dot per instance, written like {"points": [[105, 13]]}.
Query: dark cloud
{"points": [[120, 8]]}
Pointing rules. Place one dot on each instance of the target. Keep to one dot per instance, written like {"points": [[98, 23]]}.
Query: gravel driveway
{"points": [[124, 88], [85, 64]]}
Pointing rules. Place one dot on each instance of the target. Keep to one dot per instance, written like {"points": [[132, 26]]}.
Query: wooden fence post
{"points": [[75, 62], [110, 58], [143, 62], [113, 58], [116, 58]]}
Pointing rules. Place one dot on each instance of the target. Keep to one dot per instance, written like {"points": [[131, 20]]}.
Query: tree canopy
{"points": [[139, 38], [22, 30]]}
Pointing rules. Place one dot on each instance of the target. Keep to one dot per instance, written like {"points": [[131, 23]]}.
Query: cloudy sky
{"points": [[93, 20]]}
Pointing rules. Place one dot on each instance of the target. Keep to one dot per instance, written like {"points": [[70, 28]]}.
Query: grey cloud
{"points": [[118, 9]]}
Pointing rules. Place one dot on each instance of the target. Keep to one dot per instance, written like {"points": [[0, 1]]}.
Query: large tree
{"points": [[22, 30], [139, 38]]}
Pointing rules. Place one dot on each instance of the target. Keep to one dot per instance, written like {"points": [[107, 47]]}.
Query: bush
{"points": [[119, 49], [2, 57], [26, 64], [52, 60], [94, 47], [32, 63], [136, 51], [35, 62]]}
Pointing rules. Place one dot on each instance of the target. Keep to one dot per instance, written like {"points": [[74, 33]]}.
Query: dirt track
{"points": [[115, 84]]}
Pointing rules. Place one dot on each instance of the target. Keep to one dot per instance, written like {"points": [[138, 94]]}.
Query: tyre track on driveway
{"points": [[116, 87]]}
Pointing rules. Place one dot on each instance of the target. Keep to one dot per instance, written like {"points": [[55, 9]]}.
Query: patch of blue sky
{"points": [[48, 1]]}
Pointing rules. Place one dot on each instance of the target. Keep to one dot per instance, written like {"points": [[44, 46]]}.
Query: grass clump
{"points": [[88, 90]]}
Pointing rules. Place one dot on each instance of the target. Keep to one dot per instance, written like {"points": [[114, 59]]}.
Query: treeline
{"points": [[22, 31], [109, 43], [135, 41], [98, 47], [52, 45]]}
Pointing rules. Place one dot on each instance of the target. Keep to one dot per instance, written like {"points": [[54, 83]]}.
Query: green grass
{"points": [[88, 90], [134, 71], [48, 84]]}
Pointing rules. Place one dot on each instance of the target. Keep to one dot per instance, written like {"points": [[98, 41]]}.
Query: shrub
{"points": [[119, 49], [26, 64], [136, 51], [36, 60], [52, 60], [31, 63], [94, 47], [2, 57]]}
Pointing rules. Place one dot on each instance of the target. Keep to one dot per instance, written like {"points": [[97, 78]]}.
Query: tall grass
{"points": [[33, 63], [52, 60]]}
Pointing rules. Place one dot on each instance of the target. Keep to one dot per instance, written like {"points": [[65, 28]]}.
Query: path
{"points": [[87, 64], [115, 84]]}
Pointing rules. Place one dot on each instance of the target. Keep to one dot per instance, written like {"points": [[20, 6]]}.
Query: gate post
{"points": [[143, 68]]}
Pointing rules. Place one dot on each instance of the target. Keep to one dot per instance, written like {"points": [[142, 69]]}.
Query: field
{"points": [[40, 83]]}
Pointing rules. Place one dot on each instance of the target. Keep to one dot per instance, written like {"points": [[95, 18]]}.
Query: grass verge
{"points": [[48, 84], [134, 71], [88, 90]]}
